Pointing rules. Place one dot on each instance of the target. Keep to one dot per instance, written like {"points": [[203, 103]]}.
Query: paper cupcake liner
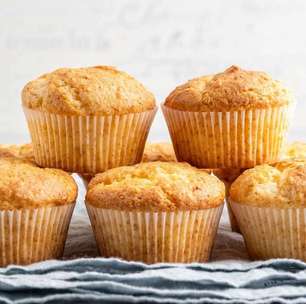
{"points": [[152, 237], [232, 218], [238, 139], [88, 144], [272, 232], [32, 235]]}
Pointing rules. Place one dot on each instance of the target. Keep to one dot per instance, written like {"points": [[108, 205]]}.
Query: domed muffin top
{"points": [[281, 185], [97, 90], [24, 185], [234, 89], [159, 152], [23, 151], [155, 186]]}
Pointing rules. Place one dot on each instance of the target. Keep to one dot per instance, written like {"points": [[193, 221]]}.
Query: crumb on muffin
{"points": [[155, 186], [100, 90], [233, 89], [281, 185], [24, 185]]}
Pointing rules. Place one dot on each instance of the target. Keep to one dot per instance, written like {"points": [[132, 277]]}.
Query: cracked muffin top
{"points": [[155, 186], [24, 185], [281, 185], [23, 151], [234, 89], [100, 90]]}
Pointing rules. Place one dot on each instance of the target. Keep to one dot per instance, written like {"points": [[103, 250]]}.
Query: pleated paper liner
{"points": [[232, 218], [152, 237], [272, 232], [32, 235], [88, 144], [240, 139]]}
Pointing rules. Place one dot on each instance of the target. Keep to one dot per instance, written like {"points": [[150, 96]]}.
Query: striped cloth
{"points": [[115, 281]]}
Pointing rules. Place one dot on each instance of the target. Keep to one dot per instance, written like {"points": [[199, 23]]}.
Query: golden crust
{"points": [[234, 89], [155, 186], [24, 185], [295, 150], [87, 91], [281, 185], [159, 152], [23, 151]]}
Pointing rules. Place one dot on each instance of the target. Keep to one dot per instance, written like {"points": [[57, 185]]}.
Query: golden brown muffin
{"points": [[282, 185], [235, 119], [100, 90], [24, 185], [295, 150], [23, 151], [158, 152], [155, 186], [232, 90]]}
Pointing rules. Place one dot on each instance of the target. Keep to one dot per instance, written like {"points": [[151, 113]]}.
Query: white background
{"points": [[161, 43]]}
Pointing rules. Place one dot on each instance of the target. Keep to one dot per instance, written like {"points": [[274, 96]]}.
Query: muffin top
{"points": [[87, 91], [295, 150], [158, 152], [234, 89], [24, 185], [23, 151], [155, 186], [282, 185]]}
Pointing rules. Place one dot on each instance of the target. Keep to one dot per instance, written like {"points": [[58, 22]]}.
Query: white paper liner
{"points": [[272, 232], [88, 144], [152, 237], [232, 218], [238, 139], [32, 235]]}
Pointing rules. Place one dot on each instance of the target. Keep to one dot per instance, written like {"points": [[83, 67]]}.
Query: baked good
{"points": [[295, 149], [23, 151], [269, 203], [35, 210], [87, 120], [234, 119], [165, 212], [160, 151]]}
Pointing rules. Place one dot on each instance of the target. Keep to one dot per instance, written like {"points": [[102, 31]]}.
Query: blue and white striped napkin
{"points": [[116, 281]]}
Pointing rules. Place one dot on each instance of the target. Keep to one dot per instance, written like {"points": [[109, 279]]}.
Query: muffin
{"points": [[269, 203], [87, 120], [296, 149], [35, 210], [152, 152], [235, 119], [162, 151], [23, 151], [292, 151], [155, 212]]}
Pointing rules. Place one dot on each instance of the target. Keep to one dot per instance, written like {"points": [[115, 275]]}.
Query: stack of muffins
{"points": [[152, 206]]}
